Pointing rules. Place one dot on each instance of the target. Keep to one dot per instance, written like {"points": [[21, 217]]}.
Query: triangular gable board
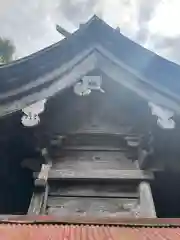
{"points": [[62, 65]]}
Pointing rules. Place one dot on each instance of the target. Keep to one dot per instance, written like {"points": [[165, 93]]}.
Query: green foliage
{"points": [[7, 50]]}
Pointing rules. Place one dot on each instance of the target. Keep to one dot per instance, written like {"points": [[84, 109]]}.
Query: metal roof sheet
{"points": [[83, 232]]}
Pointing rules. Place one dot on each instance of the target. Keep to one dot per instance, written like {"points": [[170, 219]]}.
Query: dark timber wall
{"points": [[16, 184], [166, 194], [116, 110]]}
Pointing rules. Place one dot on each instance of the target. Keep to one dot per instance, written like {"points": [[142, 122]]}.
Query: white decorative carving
{"points": [[132, 141], [81, 90], [31, 117], [87, 84], [164, 116]]}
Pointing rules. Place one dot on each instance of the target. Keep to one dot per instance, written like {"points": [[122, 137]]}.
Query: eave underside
{"points": [[68, 74]]}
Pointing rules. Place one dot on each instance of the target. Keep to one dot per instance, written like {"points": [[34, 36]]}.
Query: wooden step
{"points": [[94, 190], [123, 175], [94, 148], [96, 139], [92, 207], [87, 160], [102, 133]]}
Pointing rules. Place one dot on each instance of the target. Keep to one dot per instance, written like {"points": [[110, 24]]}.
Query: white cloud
{"points": [[31, 23], [166, 19]]}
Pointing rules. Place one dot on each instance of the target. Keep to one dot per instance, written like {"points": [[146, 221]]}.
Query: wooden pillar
{"points": [[39, 198], [147, 208], [36, 202], [146, 150], [43, 176], [143, 157]]}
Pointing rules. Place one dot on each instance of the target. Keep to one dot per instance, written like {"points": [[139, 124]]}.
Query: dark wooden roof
{"points": [[26, 76]]}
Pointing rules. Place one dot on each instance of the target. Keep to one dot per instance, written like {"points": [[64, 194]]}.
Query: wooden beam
{"points": [[143, 157], [45, 155], [94, 148], [85, 194], [93, 190], [147, 208], [113, 190], [63, 31], [42, 177], [103, 133], [86, 201], [100, 175], [36, 203], [67, 206], [41, 180], [44, 205]]}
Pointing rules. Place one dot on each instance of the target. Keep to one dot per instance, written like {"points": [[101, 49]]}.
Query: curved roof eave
{"points": [[94, 58], [32, 74]]}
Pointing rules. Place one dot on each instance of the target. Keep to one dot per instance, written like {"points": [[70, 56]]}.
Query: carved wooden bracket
{"points": [[164, 116], [132, 141], [87, 84], [31, 113]]}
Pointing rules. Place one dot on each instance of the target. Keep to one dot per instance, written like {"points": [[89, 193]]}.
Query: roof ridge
{"points": [[91, 20]]}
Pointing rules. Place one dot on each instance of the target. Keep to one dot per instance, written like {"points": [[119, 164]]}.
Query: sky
{"points": [[31, 24]]}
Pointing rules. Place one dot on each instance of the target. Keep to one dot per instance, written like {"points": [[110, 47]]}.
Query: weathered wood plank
{"points": [[94, 148], [43, 175], [90, 206], [100, 174], [142, 158], [102, 133], [45, 155], [97, 139], [147, 208], [44, 205], [94, 191], [64, 201], [83, 160], [64, 213], [96, 195], [36, 203]]}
